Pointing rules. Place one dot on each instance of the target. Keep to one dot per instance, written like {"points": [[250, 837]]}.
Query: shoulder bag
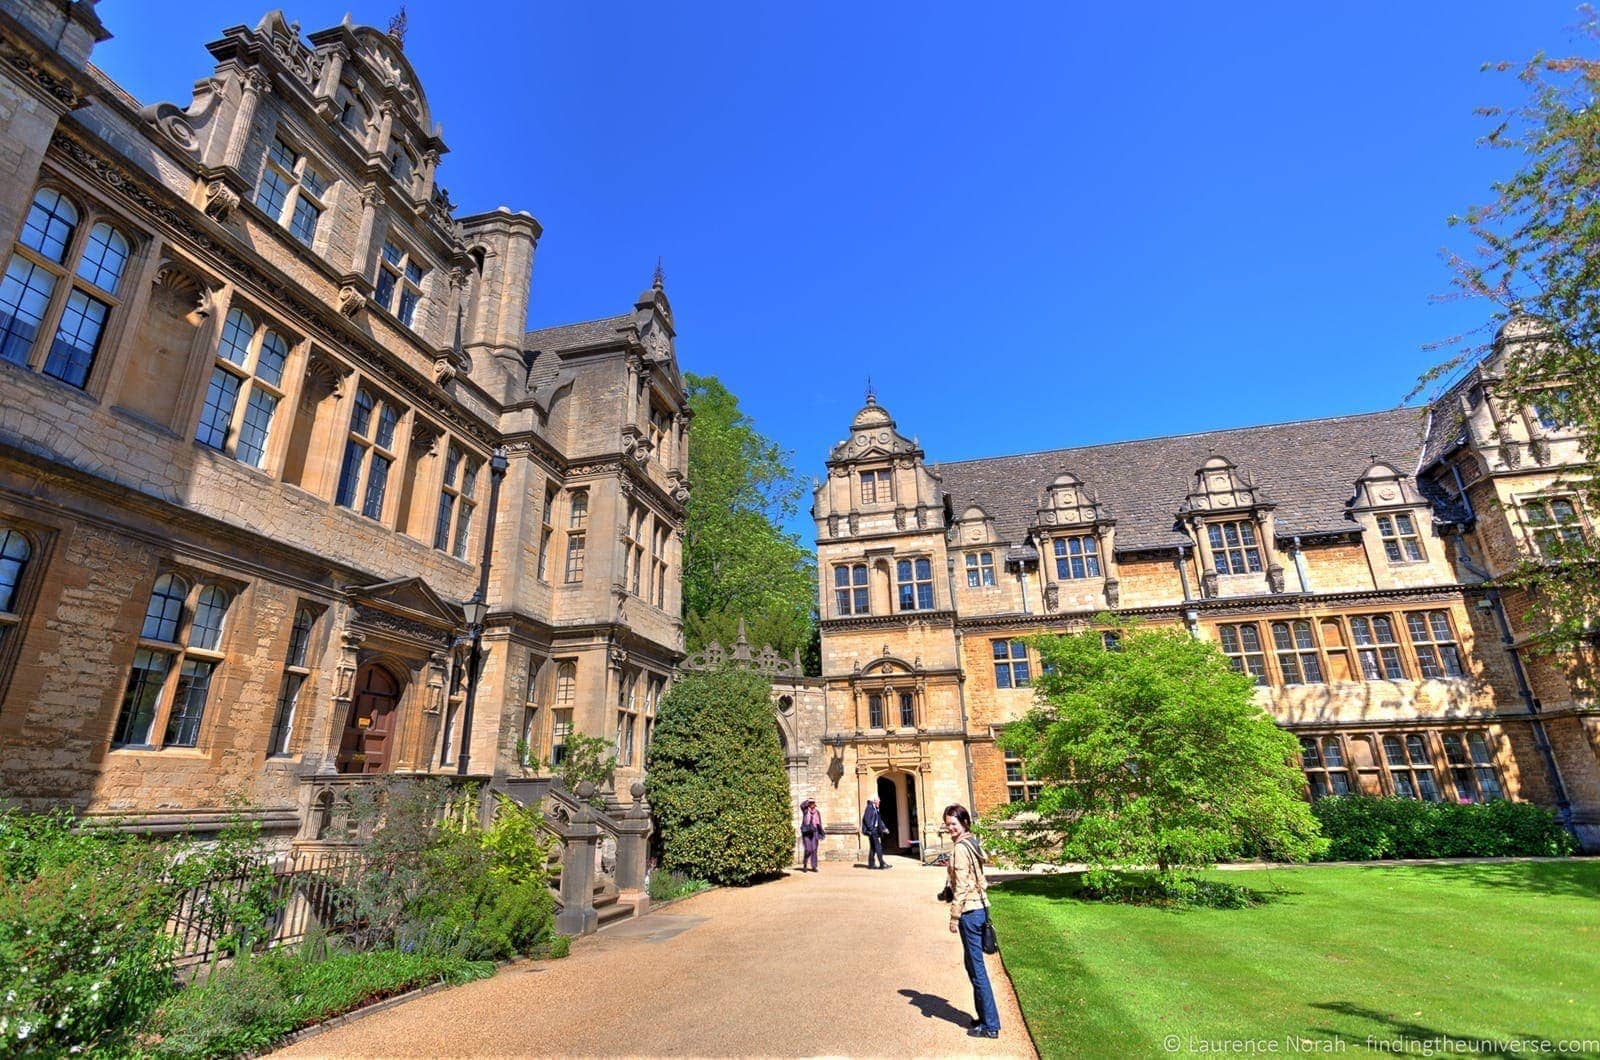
{"points": [[990, 941]]}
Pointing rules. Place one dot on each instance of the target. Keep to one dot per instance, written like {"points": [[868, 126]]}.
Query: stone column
{"points": [[633, 842], [253, 85]]}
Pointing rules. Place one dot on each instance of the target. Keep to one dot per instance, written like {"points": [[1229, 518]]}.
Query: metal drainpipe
{"points": [[497, 471], [961, 685], [1300, 566], [1541, 739], [1183, 573]]}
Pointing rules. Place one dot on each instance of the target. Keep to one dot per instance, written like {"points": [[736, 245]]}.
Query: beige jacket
{"points": [[967, 882]]}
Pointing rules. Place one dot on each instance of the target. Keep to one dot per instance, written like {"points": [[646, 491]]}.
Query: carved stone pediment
{"points": [[407, 607], [1219, 486], [1068, 502], [1384, 486]]}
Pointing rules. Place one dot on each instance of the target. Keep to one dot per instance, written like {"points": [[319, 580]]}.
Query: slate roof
{"points": [[572, 336], [1308, 469]]}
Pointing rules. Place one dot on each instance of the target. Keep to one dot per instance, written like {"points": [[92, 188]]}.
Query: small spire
{"points": [[743, 639], [872, 396], [659, 280], [397, 27]]}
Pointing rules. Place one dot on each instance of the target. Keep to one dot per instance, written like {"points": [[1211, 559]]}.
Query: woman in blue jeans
{"points": [[969, 912]]}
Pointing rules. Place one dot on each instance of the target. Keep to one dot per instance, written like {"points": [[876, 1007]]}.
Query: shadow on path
{"points": [[932, 1006]]}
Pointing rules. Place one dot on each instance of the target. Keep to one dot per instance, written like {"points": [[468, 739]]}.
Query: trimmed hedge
{"points": [[1369, 828], [717, 782]]}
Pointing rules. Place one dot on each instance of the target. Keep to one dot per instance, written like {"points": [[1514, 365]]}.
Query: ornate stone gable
{"points": [[1219, 486]]}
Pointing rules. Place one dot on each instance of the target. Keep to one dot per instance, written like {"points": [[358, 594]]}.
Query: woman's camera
{"points": [[947, 895]]}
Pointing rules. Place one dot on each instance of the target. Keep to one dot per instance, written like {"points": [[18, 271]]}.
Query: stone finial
{"points": [[659, 279]]}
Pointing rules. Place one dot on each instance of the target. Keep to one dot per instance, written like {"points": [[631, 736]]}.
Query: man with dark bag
{"points": [[874, 829]]}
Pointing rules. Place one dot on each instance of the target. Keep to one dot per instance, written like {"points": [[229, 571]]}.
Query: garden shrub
{"points": [[1373, 828], [716, 779], [665, 885], [84, 951], [254, 1002]]}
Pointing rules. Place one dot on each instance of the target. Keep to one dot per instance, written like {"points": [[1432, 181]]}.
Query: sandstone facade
{"points": [[272, 415], [1349, 563]]}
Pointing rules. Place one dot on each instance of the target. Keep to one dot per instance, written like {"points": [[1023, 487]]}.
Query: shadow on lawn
{"points": [[1139, 889], [1401, 1036], [932, 1006], [1572, 879]]}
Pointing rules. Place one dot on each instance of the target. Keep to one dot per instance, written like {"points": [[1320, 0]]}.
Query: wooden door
{"points": [[367, 745]]}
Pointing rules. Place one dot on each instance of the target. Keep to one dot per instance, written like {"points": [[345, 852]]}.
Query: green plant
{"points": [[518, 849], [84, 950], [524, 753], [254, 1002], [559, 947], [716, 779], [1155, 754], [665, 885], [585, 758], [1370, 828]]}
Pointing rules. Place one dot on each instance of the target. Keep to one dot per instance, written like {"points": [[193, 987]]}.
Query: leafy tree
{"points": [[1152, 753], [588, 758], [1536, 251], [717, 781], [737, 560]]}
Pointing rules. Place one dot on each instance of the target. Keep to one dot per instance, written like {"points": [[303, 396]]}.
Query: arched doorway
{"points": [[897, 802], [367, 745]]}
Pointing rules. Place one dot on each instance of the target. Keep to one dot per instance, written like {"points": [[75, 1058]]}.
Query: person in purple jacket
{"points": [[810, 833]]}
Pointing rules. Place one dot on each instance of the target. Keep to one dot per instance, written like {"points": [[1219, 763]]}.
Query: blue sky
{"points": [[1033, 225]]}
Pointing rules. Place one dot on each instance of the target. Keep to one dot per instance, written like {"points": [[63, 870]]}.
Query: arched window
{"points": [[1296, 646], [178, 655], [368, 454], [561, 713], [49, 252], [246, 386], [14, 555]]}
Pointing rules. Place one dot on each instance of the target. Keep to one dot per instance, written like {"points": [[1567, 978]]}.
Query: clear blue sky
{"points": [[1033, 225]]}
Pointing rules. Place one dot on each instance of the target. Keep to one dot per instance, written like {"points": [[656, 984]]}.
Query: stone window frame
{"points": [[563, 705], [1235, 639], [1248, 556], [1547, 529], [1402, 542], [66, 279], [627, 717], [577, 535], [176, 653], [916, 582], [658, 422], [633, 535], [1434, 644], [980, 569], [1546, 414], [303, 180], [366, 445], [347, 96], [296, 675], [250, 382], [1377, 659], [398, 274], [855, 591], [27, 576], [1409, 770], [1298, 657], [1019, 786], [1013, 666], [1087, 557], [1472, 764], [452, 524], [881, 483], [875, 712], [1326, 766], [659, 537], [547, 533]]}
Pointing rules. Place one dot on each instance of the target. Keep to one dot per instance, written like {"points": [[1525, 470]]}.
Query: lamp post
{"points": [[475, 609]]}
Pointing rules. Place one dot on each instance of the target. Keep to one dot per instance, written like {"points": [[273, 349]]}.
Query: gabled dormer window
{"points": [[1401, 542], [877, 486], [292, 191], [398, 284], [1234, 547]]}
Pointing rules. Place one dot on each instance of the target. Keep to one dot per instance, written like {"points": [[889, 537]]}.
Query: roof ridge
{"points": [[579, 323], [1186, 434]]}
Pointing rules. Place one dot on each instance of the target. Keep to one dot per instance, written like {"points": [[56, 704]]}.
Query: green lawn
{"points": [[1495, 951]]}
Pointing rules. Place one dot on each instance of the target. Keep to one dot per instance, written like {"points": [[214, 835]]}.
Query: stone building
{"points": [[271, 415], [1346, 563]]}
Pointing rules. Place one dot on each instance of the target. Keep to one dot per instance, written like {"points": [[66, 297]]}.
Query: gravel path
{"points": [[844, 962]]}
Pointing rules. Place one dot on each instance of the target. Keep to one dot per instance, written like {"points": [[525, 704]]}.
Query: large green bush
{"points": [[716, 779], [1370, 828], [84, 951]]}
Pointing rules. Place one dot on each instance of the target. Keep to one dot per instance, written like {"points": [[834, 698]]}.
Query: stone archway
{"points": [[898, 803]]}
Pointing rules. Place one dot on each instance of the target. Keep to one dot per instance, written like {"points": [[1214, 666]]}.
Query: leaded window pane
{"points": [[139, 700], [299, 638], [383, 289], [165, 609], [387, 418], [274, 355], [377, 482], [273, 193], [49, 225], [104, 258], [303, 223], [216, 418], [189, 703], [236, 334], [349, 474], [206, 629], [257, 424], [77, 339], [361, 416], [14, 555], [441, 525], [464, 527], [24, 297]]}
